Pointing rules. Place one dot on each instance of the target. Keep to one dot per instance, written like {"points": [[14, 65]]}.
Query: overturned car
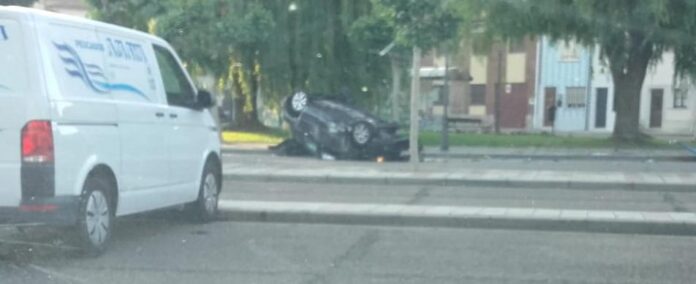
{"points": [[327, 128]]}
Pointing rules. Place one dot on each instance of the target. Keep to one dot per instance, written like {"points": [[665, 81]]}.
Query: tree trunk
{"points": [[254, 92], [396, 88], [245, 118], [415, 106], [462, 61], [292, 42], [239, 119], [629, 73], [627, 92]]}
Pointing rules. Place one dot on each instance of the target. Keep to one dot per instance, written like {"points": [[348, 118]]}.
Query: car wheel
{"points": [[205, 208], [96, 217], [296, 103], [362, 134]]}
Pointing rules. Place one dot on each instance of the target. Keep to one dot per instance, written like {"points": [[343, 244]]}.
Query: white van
{"points": [[96, 122]]}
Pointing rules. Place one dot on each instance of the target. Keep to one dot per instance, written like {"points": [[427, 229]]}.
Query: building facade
{"points": [[579, 83], [509, 69], [563, 91]]}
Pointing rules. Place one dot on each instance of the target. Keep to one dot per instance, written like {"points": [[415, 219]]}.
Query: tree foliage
{"points": [[425, 24], [276, 47], [224, 38], [134, 14]]}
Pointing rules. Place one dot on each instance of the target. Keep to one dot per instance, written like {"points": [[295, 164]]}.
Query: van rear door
{"points": [[14, 86]]}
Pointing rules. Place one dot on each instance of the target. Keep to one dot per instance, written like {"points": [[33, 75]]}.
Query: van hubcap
{"points": [[98, 217], [210, 194]]}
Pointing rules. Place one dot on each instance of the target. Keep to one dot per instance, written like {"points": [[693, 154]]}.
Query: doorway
{"points": [[656, 96], [601, 108], [549, 103]]}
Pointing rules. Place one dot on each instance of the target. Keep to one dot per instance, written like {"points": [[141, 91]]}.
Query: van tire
{"points": [[96, 217], [205, 208]]}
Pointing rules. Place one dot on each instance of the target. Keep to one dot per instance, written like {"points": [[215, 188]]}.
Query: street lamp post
{"points": [[444, 147], [415, 99], [498, 89]]}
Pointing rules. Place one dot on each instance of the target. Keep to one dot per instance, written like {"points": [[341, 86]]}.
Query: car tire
{"points": [[205, 208], [295, 104], [96, 217], [361, 134]]}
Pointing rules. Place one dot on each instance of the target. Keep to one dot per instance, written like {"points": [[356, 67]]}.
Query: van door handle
{"points": [[173, 115], [159, 114]]}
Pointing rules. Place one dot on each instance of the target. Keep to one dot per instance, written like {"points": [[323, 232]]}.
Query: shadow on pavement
{"points": [[23, 246]]}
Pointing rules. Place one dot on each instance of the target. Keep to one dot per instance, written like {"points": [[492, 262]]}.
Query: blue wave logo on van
{"points": [[92, 75], [3, 34], [4, 88]]}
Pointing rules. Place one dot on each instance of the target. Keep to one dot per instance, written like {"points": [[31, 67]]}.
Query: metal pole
{"points": [[415, 106], [588, 91], [498, 86], [444, 147], [396, 88]]}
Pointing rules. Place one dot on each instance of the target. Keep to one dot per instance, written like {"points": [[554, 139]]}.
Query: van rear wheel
{"points": [[95, 225]]}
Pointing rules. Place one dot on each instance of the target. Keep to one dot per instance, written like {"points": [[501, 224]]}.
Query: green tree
{"points": [[224, 38], [422, 25], [374, 34], [631, 35], [25, 3], [322, 57], [267, 48], [312, 49]]}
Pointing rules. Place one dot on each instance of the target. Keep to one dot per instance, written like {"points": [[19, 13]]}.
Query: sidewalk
{"points": [[283, 169]]}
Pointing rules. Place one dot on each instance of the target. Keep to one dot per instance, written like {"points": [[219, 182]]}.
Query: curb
{"points": [[246, 151], [563, 157], [618, 222], [436, 179], [548, 157]]}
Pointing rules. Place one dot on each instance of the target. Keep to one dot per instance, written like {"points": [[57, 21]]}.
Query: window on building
{"points": [[516, 46], [576, 97], [478, 94], [568, 51], [680, 98]]}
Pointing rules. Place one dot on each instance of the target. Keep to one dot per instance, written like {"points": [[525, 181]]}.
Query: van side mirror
{"points": [[204, 100]]}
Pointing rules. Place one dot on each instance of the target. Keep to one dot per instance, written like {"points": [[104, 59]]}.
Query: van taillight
{"points": [[37, 142], [38, 160]]}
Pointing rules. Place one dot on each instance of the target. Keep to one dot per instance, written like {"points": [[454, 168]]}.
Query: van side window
{"points": [[179, 91]]}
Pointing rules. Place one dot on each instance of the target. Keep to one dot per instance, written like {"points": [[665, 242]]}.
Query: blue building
{"points": [[563, 86]]}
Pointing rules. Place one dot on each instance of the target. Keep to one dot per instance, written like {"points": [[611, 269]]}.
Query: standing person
{"points": [[552, 117]]}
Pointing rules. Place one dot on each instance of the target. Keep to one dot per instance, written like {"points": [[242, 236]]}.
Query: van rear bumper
{"points": [[58, 211]]}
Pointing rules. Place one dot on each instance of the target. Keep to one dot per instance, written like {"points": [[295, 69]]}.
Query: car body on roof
{"points": [[328, 127]]}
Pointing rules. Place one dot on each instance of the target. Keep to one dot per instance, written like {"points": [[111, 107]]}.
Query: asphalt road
{"points": [[154, 249], [597, 199]]}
